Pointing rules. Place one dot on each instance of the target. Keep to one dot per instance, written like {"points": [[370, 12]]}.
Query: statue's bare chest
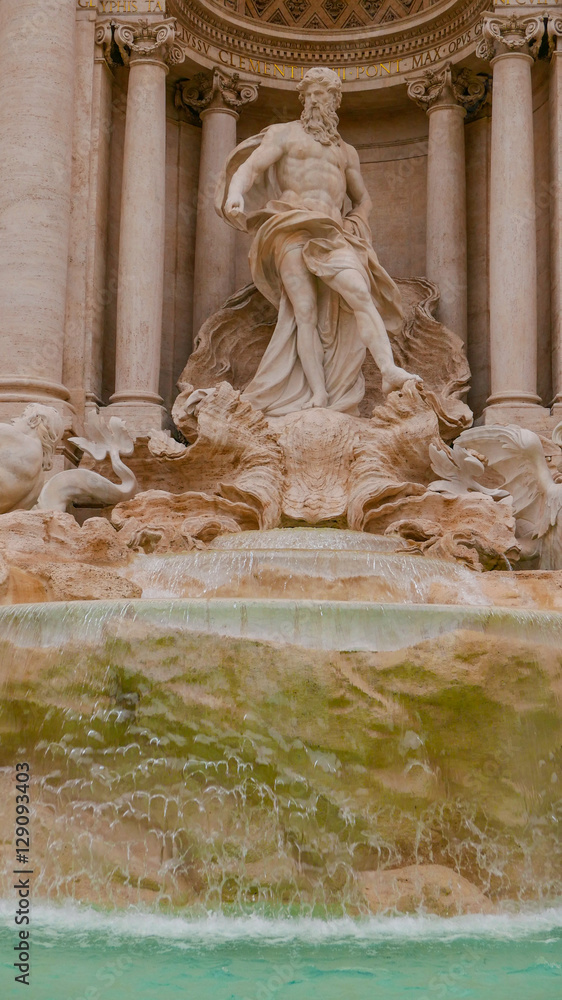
{"points": [[310, 150]]}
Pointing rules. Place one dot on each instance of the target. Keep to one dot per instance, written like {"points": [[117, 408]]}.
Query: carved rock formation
{"points": [[231, 344], [241, 470], [48, 556], [433, 888], [313, 467], [472, 529]]}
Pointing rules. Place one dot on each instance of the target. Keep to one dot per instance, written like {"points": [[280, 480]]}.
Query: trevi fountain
{"points": [[281, 499]]}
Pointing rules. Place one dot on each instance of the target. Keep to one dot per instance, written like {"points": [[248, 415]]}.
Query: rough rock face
{"points": [[51, 535], [314, 467], [473, 530], [80, 582], [428, 888], [48, 556]]}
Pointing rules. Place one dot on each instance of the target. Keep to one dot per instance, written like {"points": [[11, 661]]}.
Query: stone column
{"points": [[447, 96], [82, 369], [555, 32], [218, 97], [513, 252], [147, 48], [36, 113]]}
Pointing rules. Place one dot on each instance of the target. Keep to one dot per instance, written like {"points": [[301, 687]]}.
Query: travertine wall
{"points": [[392, 148]]}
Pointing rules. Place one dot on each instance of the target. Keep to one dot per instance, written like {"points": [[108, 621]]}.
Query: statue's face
{"points": [[317, 96]]}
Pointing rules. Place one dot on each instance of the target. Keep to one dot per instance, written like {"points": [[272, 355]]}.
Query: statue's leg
{"points": [[300, 286], [354, 290]]}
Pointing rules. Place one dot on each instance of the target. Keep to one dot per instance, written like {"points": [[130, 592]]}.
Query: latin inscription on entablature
{"points": [[352, 72], [499, 4], [123, 6]]}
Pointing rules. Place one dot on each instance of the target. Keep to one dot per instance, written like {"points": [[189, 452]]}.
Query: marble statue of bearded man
{"points": [[287, 186]]}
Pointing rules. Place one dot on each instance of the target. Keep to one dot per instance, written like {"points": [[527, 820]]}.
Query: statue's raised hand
{"points": [[234, 205]]}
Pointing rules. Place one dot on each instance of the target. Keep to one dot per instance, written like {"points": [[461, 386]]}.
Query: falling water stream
{"points": [[224, 771]]}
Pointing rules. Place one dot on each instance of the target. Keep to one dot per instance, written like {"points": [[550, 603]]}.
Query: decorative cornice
{"points": [[142, 41], [420, 32], [217, 90], [516, 33], [448, 87]]}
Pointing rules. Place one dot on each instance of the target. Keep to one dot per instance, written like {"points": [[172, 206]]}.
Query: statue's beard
{"points": [[322, 125]]}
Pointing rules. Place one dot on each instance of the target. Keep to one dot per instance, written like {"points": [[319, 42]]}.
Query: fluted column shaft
{"points": [[513, 238], [556, 211], [446, 214], [215, 242], [36, 114], [513, 241], [85, 297], [141, 242], [140, 291], [217, 97], [446, 96]]}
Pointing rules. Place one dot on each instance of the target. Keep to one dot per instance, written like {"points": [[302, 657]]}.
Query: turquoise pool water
{"points": [[83, 955]]}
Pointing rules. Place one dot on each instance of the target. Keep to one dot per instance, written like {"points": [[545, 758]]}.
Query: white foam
{"points": [[216, 929]]}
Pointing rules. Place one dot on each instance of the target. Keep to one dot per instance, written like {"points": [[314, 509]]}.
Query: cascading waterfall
{"points": [[305, 563], [255, 758]]}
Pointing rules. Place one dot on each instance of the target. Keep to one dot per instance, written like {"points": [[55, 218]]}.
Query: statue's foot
{"points": [[395, 378], [319, 399]]}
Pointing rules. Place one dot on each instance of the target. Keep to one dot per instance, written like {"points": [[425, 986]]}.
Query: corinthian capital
{"points": [[218, 89], [515, 33], [145, 40], [448, 86]]}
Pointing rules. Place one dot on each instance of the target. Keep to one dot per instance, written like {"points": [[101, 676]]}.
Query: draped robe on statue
{"points": [[280, 385]]}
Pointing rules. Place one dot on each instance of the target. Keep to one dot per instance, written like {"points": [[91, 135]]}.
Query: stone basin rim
{"points": [[133, 604]]}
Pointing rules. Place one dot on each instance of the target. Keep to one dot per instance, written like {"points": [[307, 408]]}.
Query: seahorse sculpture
{"points": [[516, 455], [84, 488]]}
